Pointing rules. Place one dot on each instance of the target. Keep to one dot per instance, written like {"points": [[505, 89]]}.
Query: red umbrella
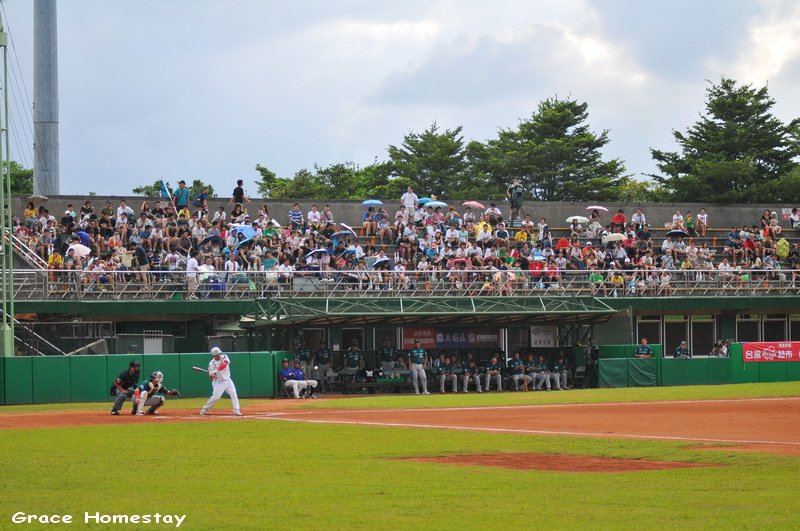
{"points": [[473, 204]]}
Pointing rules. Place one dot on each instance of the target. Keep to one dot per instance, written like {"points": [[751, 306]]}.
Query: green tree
{"points": [[154, 190], [738, 152], [21, 178], [433, 161], [556, 155]]}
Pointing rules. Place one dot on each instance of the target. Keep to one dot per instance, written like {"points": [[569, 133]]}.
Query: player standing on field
{"points": [[418, 357], [219, 370]]}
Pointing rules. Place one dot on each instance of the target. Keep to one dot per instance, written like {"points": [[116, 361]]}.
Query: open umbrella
{"points": [[317, 251], [243, 243], [616, 237], [597, 207], [80, 249], [434, 204], [579, 219], [424, 200], [372, 203], [677, 232], [473, 204], [37, 198], [211, 239], [380, 261], [454, 261], [342, 234], [347, 227], [245, 230]]}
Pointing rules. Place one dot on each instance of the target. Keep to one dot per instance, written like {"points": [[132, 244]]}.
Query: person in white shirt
{"points": [[219, 215], [192, 268], [314, 218], [702, 222], [638, 219], [401, 216], [409, 199]]}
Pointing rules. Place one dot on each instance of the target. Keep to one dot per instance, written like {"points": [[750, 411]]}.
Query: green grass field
{"points": [[261, 474]]}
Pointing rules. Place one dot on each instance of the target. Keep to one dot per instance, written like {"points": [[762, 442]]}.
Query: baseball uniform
{"points": [[219, 370], [471, 372], [417, 358], [493, 371], [446, 373]]}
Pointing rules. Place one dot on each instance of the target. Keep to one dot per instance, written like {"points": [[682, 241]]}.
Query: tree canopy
{"points": [[556, 155], [21, 178], [738, 152]]}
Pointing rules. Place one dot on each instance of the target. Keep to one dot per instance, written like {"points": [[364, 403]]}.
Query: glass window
{"points": [[774, 329], [674, 332], [649, 329], [748, 329], [704, 333]]}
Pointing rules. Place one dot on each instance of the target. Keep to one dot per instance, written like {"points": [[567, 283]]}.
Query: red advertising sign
{"points": [[426, 336], [772, 351]]}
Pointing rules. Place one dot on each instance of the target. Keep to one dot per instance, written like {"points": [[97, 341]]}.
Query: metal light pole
{"points": [[7, 262], [45, 98]]}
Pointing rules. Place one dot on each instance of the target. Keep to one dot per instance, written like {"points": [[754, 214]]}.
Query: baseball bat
{"points": [[199, 369]]}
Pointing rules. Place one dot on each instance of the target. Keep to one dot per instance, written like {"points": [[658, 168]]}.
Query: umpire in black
{"points": [[125, 385]]}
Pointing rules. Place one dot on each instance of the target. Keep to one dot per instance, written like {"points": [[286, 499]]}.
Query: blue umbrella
{"points": [[211, 239], [372, 203], [343, 233], [315, 251], [380, 261], [244, 242], [83, 237], [245, 230], [434, 204], [424, 200]]}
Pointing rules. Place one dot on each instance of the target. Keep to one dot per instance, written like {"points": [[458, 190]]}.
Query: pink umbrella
{"points": [[473, 204], [597, 207]]}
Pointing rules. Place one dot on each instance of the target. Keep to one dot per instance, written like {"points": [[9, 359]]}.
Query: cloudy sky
{"points": [[208, 89]]}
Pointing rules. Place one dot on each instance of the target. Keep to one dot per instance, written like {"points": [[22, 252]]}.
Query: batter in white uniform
{"points": [[219, 370]]}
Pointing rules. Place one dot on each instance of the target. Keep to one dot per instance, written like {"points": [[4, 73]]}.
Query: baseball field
{"points": [[681, 457]]}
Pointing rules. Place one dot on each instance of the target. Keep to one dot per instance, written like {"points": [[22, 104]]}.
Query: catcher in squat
{"points": [[151, 394]]}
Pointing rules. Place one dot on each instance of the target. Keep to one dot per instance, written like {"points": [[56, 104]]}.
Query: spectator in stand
{"points": [[702, 222], [493, 215], [690, 223], [369, 223], [794, 218], [619, 220], [314, 218], [327, 214], [638, 219], [238, 195], [180, 197], [409, 199]]}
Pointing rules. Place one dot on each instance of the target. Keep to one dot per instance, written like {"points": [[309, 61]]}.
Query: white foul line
{"points": [[529, 431], [316, 411]]}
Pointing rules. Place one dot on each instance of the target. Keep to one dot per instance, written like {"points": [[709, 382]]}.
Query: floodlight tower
{"points": [[45, 99]]}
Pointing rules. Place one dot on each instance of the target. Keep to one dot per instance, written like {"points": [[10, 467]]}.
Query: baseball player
{"points": [[151, 394], [303, 354], [290, 380], [560, 369], [418, 358], [322, 358], [299, 375], [643, 350], [124, 386], [219, 370], [387, 354], [541, 375], [493, 371], [471, 372], [446, 373], [517, 367]]}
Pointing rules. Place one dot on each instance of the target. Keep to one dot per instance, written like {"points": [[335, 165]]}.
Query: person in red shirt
{"points": [[619, 219]]}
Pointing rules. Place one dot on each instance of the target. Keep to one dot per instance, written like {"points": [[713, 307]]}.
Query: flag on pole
{"points": [[165, 190]]}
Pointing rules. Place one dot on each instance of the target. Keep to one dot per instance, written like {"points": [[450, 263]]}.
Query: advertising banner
{"points": [[426, 336], [466, 339], [771, 351]]}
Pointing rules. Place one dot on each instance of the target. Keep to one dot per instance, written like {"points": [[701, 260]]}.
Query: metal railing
{"points": [[32, 285], [27, 254]]}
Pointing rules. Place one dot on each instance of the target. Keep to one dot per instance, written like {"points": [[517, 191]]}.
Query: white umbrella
{"points": [[579, 219], [79, 249], [597, 207], [616, 237]]}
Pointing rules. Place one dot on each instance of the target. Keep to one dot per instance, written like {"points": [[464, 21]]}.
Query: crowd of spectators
{"points": [[464, 247]]}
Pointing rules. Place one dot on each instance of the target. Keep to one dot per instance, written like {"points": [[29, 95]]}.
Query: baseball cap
{"points": [[133, 363], [416, 341], [181, 182], [285, 360]]}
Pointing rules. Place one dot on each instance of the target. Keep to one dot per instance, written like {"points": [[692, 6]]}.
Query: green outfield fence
{"points": [[618, 368], [54, 379]]}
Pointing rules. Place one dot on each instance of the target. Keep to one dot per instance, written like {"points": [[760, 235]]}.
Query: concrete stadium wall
{"points": [[60, 379], [720, 216]]}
